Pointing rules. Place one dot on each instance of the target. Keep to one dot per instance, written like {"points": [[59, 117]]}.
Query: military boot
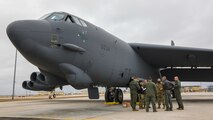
{"points": [[167, 109], [158, 106]]}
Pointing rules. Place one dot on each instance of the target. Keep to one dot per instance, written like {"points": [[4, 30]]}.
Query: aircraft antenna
{"points": [[172, 43]]}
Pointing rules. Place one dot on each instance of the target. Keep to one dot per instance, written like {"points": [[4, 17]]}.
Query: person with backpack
{"points": [[168, 86]]}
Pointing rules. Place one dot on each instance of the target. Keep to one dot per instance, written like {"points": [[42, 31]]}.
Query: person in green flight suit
{"points": [[167, 86], [151, 92], [177, 91], [134, 87]]}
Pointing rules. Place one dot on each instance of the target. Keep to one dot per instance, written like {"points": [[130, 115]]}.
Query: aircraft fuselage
{"points": [[103, 58]]}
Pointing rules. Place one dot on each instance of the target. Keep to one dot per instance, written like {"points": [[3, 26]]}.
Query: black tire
{"points": [[119, 96], [108, 96]]}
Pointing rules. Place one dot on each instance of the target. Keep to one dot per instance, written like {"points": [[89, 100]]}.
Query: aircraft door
{"points": [[57, 35]]}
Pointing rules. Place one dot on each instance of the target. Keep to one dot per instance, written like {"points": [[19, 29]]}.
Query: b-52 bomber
{"points": [[71, 51]]}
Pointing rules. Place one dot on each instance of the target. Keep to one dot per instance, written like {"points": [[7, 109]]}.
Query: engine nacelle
{"points": [[43, 82], [38, 78], [30, 85]]}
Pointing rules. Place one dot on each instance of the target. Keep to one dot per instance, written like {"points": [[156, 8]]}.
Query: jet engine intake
{"points": [[38, 78], [30, 85]]}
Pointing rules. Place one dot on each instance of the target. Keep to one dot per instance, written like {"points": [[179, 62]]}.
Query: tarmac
{"points": [[198, 106]]}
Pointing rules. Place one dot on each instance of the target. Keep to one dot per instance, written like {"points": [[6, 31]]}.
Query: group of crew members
{"points": [[146, 92]]}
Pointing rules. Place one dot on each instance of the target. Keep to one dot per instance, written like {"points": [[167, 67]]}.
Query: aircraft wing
{"points": [[162, 56], [176, 61]]}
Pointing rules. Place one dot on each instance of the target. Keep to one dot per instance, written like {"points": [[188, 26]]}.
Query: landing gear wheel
{"points": [[119, 96], [114, 95], [108, 96]]}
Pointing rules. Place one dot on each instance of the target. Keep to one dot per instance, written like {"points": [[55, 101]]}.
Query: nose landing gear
{"points": [[114, 95]]}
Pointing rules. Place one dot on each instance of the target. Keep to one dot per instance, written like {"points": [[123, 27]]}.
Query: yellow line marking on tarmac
{"points": [[112, 103], [116, 103]]}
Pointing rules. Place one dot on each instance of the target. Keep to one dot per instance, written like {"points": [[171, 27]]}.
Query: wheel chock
{"points": [[112, 103]]}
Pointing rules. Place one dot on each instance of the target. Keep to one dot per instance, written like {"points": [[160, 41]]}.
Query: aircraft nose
{"points": [[24, 32], [16, 32]]}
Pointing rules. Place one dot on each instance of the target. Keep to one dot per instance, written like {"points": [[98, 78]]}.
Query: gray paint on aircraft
{"points": [[85, 56]]}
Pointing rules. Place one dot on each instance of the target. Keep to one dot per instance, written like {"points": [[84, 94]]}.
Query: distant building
{"points": [[43, 93], [192, 89], [210, 88]]}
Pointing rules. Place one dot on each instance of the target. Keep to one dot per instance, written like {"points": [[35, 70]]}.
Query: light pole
{"points": [[14, 76]]}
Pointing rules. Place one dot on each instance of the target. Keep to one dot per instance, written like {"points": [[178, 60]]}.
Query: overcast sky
{"points": [[187, 22]]}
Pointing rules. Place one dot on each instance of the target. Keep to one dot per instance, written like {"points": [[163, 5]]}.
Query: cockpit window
{"points": [[64, 17], [76, 20], [57, 16], [83, 23], [79, 21], [69, 19], [45, 16]]}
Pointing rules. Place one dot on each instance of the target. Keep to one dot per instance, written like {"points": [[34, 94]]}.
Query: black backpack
{"points": [[142, 90]]}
